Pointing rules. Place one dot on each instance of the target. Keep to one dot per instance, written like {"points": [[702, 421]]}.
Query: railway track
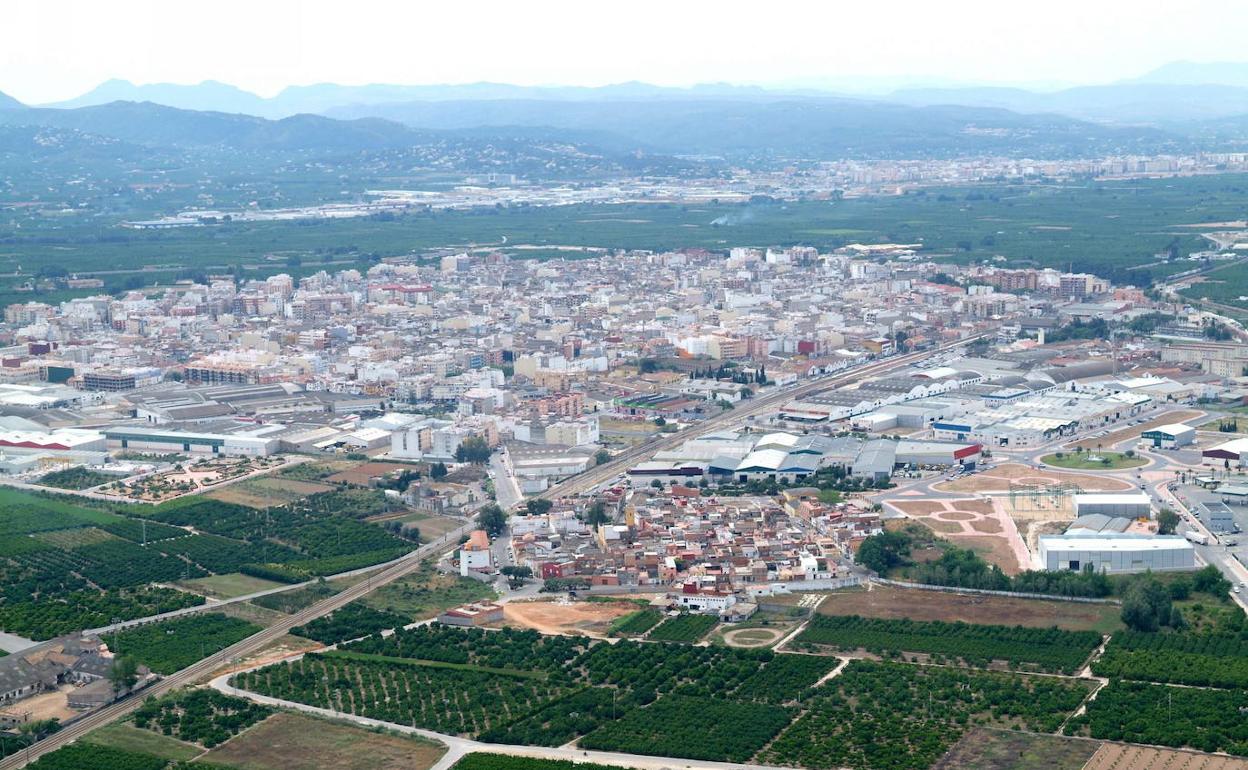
{"points": [[574, 485]]}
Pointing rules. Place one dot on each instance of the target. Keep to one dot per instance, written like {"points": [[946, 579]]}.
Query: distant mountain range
{"points": [[1171, 94], [792, 127], [1180, 106], [1189, 73], [319, 98], [736, 129], [1157, 104], [157, 125]]}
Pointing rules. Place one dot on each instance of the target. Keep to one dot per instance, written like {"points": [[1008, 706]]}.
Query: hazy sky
{"points": [[56, 49]]}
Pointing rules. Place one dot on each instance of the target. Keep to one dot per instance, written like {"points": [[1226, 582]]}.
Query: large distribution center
{"points": [[1116, 552]]}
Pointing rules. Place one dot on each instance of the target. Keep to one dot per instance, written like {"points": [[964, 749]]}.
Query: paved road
{"points": [[13, 643], [1213, 553], [506, 490]]}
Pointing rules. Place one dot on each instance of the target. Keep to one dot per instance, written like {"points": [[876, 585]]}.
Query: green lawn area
{"points": [[425, 593], [124, 735], [1093, 461], [432, 527], [228, 586]]}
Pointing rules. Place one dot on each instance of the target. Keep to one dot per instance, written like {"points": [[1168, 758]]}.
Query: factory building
{"points": [[1232, 453], [154, 441], [1170, 436], [1116, 553], [937, 453]]}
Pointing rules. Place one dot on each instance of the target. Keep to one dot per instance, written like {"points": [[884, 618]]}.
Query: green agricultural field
{"points": [[460, 702], [685, 627], [1041, 649], [636, 623], [229, 585], [892, 716], [124, 735], [1199, 659], [1227, 285], [349, 622], [172, 645], [25, 512], [1202, 719], [76, 610], [694, 728], [203, 716], [86, 756]]}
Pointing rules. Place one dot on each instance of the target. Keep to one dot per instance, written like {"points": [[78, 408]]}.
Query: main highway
{"points": [[575, 485]]}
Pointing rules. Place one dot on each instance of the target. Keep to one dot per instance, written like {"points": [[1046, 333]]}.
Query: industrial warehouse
{"points": [[789, 458], [998, 403], [1116, 553]]}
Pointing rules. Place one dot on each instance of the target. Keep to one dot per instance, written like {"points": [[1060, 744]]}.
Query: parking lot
{"points": [[1225, 545]]}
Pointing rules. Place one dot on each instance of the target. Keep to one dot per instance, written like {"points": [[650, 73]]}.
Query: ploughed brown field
{"points": [[296, 742], [918, 604]]}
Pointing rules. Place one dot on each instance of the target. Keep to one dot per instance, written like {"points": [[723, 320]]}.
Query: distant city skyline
{"points": [[63, 49]]}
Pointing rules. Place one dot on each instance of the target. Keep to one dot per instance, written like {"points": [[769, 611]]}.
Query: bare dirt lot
{"points": [[266, 491], [917, 604], [1113, 755], [981, 525], [362, 474], [986, 749], [296, 742], [998, 480], [987, 526], [1133, 431], [592, 618], [48, 705], [753, 637]]}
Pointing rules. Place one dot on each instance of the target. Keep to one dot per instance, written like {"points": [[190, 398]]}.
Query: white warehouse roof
{"points": [[1114, 542], [1174, 429], [766, 459]]}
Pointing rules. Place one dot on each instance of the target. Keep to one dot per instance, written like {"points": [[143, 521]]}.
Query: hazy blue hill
{"points": [[209, 95], [1197, 73], [213, 96], [157, 125], [9, 103], [1144, 103], [827, 127]]}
